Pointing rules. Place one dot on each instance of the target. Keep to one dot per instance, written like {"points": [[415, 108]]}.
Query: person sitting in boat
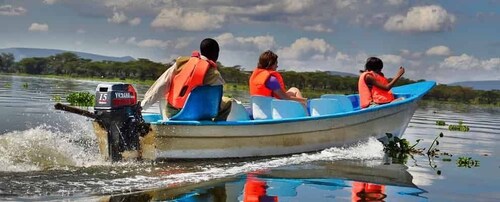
{"points": [[374, 89], [266, 81], [174, 85]]}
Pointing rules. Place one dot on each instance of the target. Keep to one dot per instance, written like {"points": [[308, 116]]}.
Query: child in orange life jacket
{"points": [[266, 81], [374, 88]]}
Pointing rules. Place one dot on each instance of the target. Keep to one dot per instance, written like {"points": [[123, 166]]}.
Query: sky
{"points": [[446, 41]]}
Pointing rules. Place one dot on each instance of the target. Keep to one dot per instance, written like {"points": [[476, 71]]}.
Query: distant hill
{"points": [[342, 74], [20, 53], [479, 85]]}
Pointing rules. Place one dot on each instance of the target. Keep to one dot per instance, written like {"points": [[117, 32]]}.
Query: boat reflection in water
{"points": [[345, 180]]}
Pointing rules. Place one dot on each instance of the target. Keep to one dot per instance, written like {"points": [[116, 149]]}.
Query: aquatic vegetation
{"points": [[56, 98], [459, 127], [25, 85], [467, 162], [7, 85], [440, 123], [399, 148], [433, 150], [83, 99]]}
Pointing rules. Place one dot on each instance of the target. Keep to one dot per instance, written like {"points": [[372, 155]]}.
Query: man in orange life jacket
{"points": [[167, 87], [373, 87], [266, 81]]}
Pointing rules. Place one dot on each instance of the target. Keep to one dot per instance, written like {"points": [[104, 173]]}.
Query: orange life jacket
{"points": [[191, 76], [255, 190], [375, 94], [362, 191], [258, 80]]}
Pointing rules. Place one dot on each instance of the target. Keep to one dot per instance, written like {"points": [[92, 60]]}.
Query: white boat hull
{"points": [[232, 141]]}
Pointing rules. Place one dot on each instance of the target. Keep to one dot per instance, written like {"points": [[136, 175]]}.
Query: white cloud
{"points": [[391, 59], [38, 27], [229, 41], [135, 21], [11, 10], [178, 18], [81, 31], [118, 17], [408, 54], [491, 64], [305, 48], [78, 43], [49, 2], [432, 18], [467, 62], [149, 43], [439, 51], [396, 2], [318, 28], [116, 40]]}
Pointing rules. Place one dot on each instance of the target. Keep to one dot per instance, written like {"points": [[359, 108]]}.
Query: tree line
{"points": [[70, 64]]}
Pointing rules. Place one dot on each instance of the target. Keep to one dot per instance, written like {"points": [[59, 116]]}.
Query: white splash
{"points": [[44, 147]]}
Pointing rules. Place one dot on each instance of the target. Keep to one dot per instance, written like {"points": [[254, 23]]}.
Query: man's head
{"points": [[374, 64], [210, 49]]}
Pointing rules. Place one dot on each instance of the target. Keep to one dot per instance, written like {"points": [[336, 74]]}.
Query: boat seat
{"points": [[345, 102], [238, 112], [325, 106], [202, 104], [354, 101], [261, 107], [287, 109], [151, 117]]}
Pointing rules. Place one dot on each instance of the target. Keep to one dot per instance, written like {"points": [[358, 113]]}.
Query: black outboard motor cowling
{"points": [[119, 113]]}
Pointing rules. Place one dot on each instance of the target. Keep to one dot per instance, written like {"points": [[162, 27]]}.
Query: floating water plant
{"points": [[433, 150], [7, 85], [399, 148], [25, 85], [467, 162], [440, 123], [83, 99], [57, 98], [459, 127]]}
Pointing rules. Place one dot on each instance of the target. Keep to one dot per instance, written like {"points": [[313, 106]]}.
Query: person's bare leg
{"points": [[295, 92]]}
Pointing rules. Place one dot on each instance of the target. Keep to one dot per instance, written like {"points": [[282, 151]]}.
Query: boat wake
{"points": [[69, 163], [369, 150], [47, 148]]}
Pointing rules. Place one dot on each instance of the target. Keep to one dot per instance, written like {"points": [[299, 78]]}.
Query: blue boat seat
{"points": [[261, 107], [151, 117], [325, 106], [345, 102], [287, 109], [202, 104], [238, 112], [354, 98]]}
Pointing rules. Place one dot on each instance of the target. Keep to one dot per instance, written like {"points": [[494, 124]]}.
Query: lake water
{"points": [[51, 155]]}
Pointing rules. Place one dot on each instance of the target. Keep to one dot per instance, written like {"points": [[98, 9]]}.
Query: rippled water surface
{"points": [[51, 155]]}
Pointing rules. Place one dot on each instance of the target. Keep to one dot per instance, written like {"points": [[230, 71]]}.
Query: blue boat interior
{"points": [[203, 104]]}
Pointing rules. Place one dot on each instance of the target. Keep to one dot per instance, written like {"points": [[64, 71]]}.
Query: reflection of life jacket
{"points": [[255, 191], [362, 191], [191, 76], [258, 82], [375, 94]]}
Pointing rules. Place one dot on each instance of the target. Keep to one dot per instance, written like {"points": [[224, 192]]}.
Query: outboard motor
{"points": [[117, 110]]}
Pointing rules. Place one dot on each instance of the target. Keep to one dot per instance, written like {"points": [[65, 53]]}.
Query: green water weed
{"points": [[467, 162], [82, 99]]}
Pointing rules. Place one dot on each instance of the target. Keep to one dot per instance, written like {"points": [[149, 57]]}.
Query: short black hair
{"points": [[210, 49], [374, 64]]}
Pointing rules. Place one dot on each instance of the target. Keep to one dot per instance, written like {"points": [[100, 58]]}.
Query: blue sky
{"points": [[446, 41]]}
